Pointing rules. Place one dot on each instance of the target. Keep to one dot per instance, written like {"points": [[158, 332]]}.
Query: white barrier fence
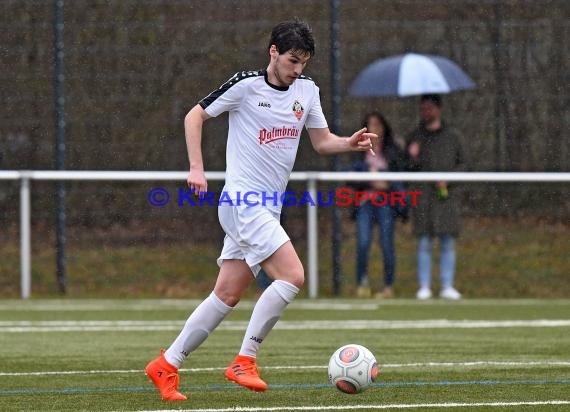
{"points": [[25, 176]]}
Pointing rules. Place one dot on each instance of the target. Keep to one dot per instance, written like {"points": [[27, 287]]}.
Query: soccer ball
{"points": [[352, 368]]}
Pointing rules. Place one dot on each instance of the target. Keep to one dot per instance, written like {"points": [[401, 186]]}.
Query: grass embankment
{"points": [[496, 258]]}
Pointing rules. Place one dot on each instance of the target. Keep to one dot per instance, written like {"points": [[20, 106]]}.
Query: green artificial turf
{"points": [[43, 368]]}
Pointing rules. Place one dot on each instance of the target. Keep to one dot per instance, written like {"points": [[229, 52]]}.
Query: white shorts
{"points": [[253, 234]]}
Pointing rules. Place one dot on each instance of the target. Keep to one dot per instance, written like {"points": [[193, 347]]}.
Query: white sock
{"points": [[205, 318], [266, 313]]}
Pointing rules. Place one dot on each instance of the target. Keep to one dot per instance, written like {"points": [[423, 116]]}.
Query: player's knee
{"points": [[293, 274], [299, 281], [297, 277], [230, 298]]}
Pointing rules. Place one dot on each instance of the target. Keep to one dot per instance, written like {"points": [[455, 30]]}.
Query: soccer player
{"points": [[267, 112]]}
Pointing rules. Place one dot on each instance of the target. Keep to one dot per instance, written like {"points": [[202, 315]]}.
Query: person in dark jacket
{"points": [[389, 157], [434, 147]]}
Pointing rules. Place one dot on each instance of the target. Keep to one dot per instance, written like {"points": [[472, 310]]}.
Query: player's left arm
{"points": [[326, 143]]}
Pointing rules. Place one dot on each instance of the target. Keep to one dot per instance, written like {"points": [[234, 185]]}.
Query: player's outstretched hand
{"points": [[362, 141], [197, 181]]}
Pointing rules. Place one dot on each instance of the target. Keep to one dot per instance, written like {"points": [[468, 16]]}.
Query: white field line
{"points": [[500, 364], [163, 325], [356, 407], [172, 304], [300, 304]]}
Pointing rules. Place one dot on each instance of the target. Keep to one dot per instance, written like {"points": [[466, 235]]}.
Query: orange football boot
{"points": [[165, 378], [244, 372]]}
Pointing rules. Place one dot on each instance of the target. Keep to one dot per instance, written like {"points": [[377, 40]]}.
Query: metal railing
{"points": [[25, 176]]}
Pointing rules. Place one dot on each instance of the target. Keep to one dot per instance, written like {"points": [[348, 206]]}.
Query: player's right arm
{"points": [[226, 98], [193, 131]]}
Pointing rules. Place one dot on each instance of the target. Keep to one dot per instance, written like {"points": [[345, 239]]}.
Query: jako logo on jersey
{"points": [[278, 133], [264, 104], [298, 109]]}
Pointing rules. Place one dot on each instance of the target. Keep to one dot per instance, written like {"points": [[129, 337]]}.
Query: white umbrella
{"points": [[410, 75]]}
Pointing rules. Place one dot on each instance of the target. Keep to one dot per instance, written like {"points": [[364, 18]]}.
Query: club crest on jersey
{"points": [[298, 109]]}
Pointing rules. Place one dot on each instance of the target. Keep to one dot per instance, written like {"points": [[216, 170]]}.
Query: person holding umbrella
{"points": [[434, 147]]}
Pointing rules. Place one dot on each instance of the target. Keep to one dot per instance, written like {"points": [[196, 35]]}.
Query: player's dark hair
{"points": [[388, 139], [293, 35]]}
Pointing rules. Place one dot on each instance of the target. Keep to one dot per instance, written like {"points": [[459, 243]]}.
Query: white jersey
{"points": [[265, 124]]}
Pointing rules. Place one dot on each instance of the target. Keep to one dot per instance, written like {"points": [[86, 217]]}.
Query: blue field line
{"points": [[284, 386]]}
